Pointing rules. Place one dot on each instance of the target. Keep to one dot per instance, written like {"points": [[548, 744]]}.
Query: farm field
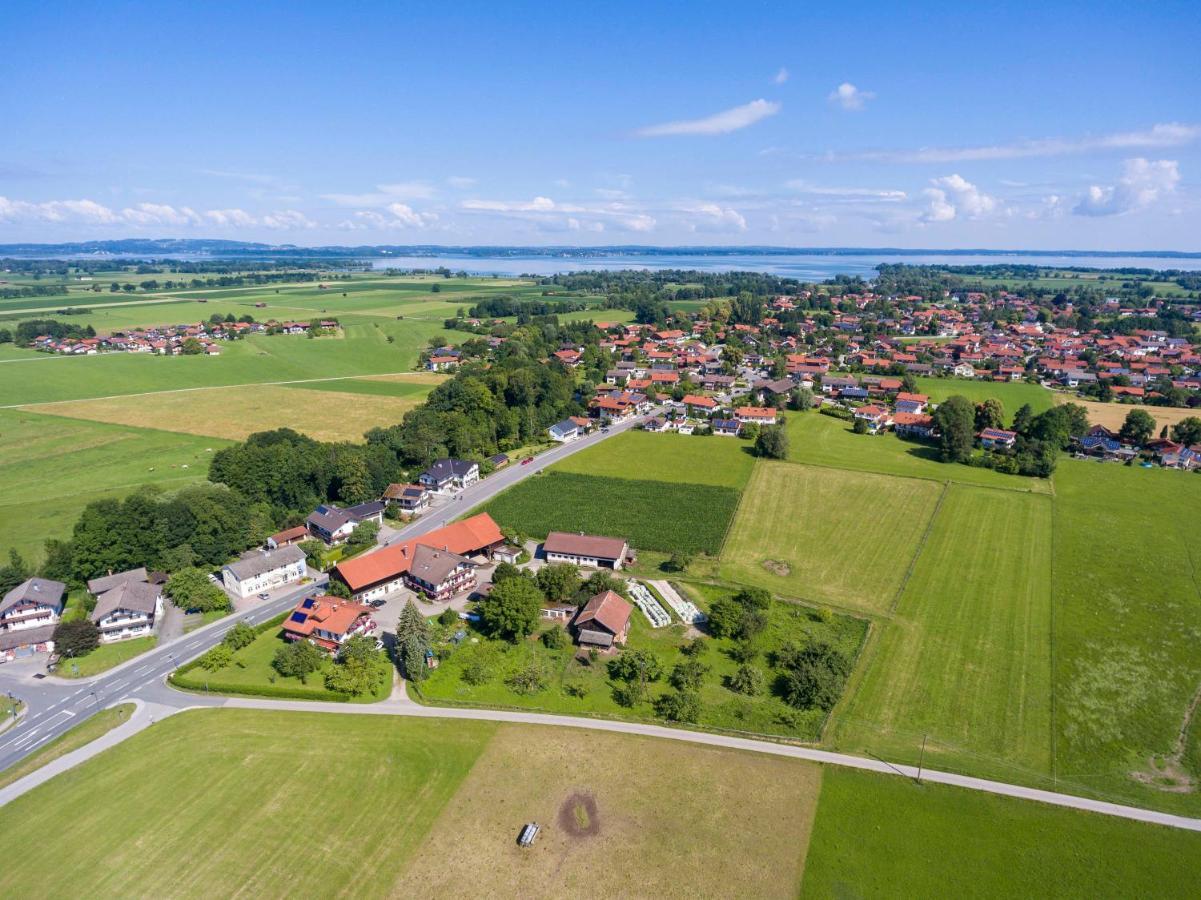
{"points": [[880, 836], [966, 657], [1012, 394], [827, 535], [235, 412], [591, 687], [1112, 415], [1126, 630], [666, 457], [826, 441], [51, 467], [364, 350], [627, 816], [651, 515]]}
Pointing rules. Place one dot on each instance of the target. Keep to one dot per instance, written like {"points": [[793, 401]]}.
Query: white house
{"points": [[262, 570], [28, 616], [585, 550], [127, 611], [450, 475]]}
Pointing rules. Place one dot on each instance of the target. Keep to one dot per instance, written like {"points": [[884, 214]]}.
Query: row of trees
{"points": [[1040, 437]]}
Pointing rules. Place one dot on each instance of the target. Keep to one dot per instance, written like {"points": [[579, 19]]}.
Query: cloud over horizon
{"points": [[1142, 183]]}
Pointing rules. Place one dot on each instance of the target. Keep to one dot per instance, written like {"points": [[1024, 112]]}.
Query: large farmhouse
{"points": [[438, 576], [28, 616], [127, 605]]}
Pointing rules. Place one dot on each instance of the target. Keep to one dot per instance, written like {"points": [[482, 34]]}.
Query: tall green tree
{"points": [[512, 609], [1138, 428], [955, 420]]}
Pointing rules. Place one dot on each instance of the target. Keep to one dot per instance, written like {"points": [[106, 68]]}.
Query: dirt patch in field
{"points": [[578, 816], [777, 567]]}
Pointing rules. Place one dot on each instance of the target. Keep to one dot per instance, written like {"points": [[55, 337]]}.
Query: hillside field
{"points": [[1012, 394], [828, 535], [646, 456], [966, 657], [52, 467]]}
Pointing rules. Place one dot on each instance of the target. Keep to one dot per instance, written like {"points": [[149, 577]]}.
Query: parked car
{"points": [[264, 596], [376, 604], [605, 430], [527, 460]]}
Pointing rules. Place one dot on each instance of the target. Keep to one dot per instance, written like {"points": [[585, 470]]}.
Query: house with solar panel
{"points": [[327, 622]]}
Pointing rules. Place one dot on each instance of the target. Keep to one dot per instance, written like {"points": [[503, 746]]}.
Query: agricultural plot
{"points": [[880, 836], [1112, 415], [52, 467], [1127, 629], [235, 412], [1012, 394], [828, 535], [623, 816], [651, 515], [966, 658], [373, 347], [665, 457], [826, 441]]}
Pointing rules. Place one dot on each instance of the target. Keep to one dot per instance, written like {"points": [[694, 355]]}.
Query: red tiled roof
{"points": [[387, 563]]}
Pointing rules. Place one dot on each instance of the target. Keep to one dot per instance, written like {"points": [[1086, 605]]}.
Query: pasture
{"points": [[826, 441], [1012, 394], [828, 535], [1127, 628], [966, 657], [622, 816], [51, 467], [326, 413], [882, 836], [666, 457], [651, 515]]}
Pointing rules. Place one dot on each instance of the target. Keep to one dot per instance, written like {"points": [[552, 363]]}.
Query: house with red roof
{"points": [[603, 622], [327, 622]]}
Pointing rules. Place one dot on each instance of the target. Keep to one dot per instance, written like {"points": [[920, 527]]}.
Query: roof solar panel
{"points": [[298, 617], [308, 603]]}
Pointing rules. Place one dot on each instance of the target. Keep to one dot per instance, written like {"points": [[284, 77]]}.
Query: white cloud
{"points": [[850, 97], [781, 76], [1171, 134], [406, 215], [869, 194], [719, 123], [953, 194], [1142, 183], [286, 220], [711, 217], [226, 217], [460, 182], [550, 213], [385, 194]]}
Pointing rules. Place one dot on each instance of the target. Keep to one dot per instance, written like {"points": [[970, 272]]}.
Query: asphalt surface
{"points": [[55, 705]]}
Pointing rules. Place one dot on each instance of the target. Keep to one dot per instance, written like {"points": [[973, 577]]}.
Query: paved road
{"points": [[53, 705]]}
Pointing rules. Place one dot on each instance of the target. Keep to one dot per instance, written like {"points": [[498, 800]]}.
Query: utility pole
{"points": [[921, 759]]}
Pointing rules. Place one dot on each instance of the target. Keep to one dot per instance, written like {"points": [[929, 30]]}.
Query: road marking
{"points": [[143, 669]]}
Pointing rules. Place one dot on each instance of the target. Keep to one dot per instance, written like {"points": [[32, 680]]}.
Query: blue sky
{"points": [[1042, 126]]}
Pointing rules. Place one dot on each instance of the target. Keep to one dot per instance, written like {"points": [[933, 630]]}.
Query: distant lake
{"points": [[805, 267]]}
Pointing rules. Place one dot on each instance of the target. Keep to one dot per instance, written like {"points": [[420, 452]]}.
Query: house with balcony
{"points": [[412, 498], [448, 476], [439, 574], [128, 610], [263, 570], [327, 622], [29, 614]]}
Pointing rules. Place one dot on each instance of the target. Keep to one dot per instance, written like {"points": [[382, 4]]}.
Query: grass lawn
{"points": [[826, 441], [655, 515], [370, 387], [621, 816], [84, 733], [967, 657], [1127, 627], [230, 806], [235, 412], [1012, 394], [104, 657], [884, 836], [828, 535], [721, 707], [666, 457], [251, 673], [38, 500]]}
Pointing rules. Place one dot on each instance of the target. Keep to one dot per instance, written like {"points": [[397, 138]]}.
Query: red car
{"points": [[527, 460]]}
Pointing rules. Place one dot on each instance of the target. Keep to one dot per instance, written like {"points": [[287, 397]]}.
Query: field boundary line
{"points": [[994, 487], [1051, 644], [921, 546]]}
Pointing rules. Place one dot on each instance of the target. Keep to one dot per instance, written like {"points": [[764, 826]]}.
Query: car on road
{"points": [[376, 604], [527, 460], [605, 430], [264, 596]]}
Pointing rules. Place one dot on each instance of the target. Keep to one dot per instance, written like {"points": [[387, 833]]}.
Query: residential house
{"points": [[759, 415], [448, 476], [569, 429], [603, 622], [909, 424], [726, 427], [29, 614], [287, 537], [334, 524], [877, 418], [98, 586], [593, 551], [263, 570], [128, 610], [700, 406], [997, 438], [911, 403], [439, 574], [412, 498], [327, 622], [385, 570]]}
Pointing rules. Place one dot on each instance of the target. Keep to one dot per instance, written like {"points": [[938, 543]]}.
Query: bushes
{"points": [[813, 675], [270, 691]]}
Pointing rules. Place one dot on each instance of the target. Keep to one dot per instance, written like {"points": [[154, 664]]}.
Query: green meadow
{"points": [[1012, 394], [647, 456]]}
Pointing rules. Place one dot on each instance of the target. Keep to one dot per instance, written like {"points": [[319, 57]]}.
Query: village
{"points": [[176, 340]]}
